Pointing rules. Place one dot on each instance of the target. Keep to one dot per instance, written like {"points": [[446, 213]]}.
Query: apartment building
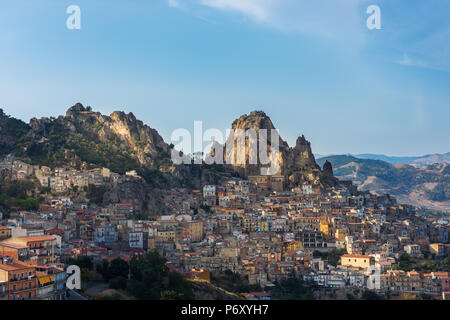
{"points": [[21, 279], [42, 247]]}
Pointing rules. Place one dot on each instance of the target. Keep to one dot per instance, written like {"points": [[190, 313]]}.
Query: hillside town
{"points": [[340, 240]]}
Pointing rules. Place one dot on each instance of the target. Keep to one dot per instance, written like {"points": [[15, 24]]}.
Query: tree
{"points": [[118, 283], [293, 289], [118, 268], [151, 279], [83, 262], [370, 295]]}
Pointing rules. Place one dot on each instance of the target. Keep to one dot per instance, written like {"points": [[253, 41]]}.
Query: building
{"points": [[307, 189], [209, 191], [195, 229], [138, 240], [45, 286], [105, 233], [41, 246], [413, 250], [15, 251], [357, 261], [438, 249], [5, 233], [3, 290], [266, 183], [21, 278]]}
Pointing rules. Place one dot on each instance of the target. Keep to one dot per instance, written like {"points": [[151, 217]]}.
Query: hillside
{"points": [[417, 161], [83, 138], [427, 187]]}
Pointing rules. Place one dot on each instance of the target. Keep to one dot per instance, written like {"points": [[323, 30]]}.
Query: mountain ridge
{"points": [[418, 161], [427, 186]]}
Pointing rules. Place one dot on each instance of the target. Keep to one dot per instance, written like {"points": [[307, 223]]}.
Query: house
{"points": [[438, 249], [105, 233], [42, 246], [5, 233], [21, 279], [357, 261], [138, 240], [413, 250]]}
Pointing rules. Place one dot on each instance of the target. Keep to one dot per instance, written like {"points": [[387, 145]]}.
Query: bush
{"points": [[370, 295], [118, 283]]}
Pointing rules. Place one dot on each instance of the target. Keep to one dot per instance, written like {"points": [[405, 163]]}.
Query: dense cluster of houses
{"points": [[254, 227]]}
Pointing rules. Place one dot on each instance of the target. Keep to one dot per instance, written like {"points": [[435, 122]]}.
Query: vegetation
{"points": [[233, 282], [118, 283], [407, 263], [370, 295], [16, 194], [151, 279], [333, 257], [118, 268], [86, 265], [293, 289], [12, 131], [95, 194]]}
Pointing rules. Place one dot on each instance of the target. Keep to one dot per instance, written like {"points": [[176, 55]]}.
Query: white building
{"points": [[209, 191]]}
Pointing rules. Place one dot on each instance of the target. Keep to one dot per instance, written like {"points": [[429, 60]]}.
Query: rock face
{"points": [[328, 169], [297, 164], [141, 195], [123, 129], [119, 142], [10, 131]]}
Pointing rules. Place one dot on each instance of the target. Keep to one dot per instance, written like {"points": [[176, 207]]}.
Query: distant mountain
{"points": [[390, 159], [428, 186]]}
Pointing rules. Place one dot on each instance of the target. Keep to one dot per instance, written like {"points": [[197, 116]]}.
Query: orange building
{"points": [[16, 251], [21, 278], [41, 246], [5, 233]]}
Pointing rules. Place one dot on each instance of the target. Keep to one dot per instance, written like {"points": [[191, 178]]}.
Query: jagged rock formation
{"points": [[297, 164], [328, 169], [84, 138], [123, 129]]}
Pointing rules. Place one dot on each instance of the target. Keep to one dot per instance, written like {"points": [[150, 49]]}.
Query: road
{"points": [[75, 296]]}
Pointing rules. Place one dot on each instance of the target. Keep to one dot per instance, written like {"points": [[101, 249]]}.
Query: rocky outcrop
{"points": [[143, 197], [297, 164], [123, 129], [327, 169]]}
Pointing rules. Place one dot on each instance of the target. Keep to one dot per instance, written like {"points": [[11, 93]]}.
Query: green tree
{"points": [[118, 268], [118, 283]]}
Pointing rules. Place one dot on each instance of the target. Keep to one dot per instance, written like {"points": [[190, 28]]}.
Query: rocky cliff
{"points": [[296, 163]]}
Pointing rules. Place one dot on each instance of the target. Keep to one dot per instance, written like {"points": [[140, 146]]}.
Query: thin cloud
{"points": [[174, 4], [336, 20]]}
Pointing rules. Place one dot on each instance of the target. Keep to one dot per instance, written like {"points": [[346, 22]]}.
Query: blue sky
{"points": [[312, 66]]}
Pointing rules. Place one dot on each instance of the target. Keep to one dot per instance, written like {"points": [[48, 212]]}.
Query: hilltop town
{"points": [[303, 234], [253, 227]]}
